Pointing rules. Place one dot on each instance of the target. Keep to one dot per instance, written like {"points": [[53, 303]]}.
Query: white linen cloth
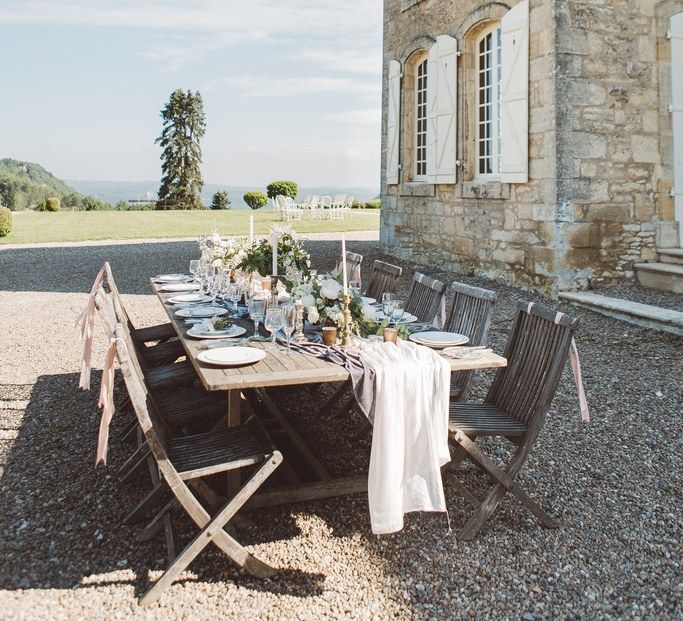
{"points": [[410, 431]]}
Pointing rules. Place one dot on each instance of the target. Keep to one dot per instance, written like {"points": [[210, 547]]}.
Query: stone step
{"points": [[663, 276], [671, 255], [636, 313]]}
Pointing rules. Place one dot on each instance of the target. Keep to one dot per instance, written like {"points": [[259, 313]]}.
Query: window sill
{"points": [[482, 188], [417, 188]]}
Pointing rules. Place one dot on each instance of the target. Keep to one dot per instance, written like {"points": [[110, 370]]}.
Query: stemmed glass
{"points": [[234, 295], [257, 308], [273, 322], [398, 311], [288, 323], [387, 299], [194, 267]]}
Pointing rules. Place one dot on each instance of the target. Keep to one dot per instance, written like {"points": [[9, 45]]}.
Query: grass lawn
{"points": [[39, 227]]}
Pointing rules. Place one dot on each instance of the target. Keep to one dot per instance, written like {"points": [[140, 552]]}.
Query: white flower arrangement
{"points": [[226, 253]]}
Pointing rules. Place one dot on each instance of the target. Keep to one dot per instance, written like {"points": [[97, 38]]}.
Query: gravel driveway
{"points": [[613, 485]]}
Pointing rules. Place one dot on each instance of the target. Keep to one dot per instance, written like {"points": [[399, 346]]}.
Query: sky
{"points": [[291, 88]]}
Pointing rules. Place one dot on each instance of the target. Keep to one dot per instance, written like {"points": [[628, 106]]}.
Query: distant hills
{"points": [[24, 184], [115, 191]]}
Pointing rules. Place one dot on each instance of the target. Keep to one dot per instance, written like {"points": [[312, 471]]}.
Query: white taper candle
{"points": [[346, 283], [274, 240]]}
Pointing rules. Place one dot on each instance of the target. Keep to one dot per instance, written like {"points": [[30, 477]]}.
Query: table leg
{"points": [[234, 419]]}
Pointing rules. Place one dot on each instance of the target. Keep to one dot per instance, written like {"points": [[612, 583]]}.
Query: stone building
{"points": [[536, 142]]}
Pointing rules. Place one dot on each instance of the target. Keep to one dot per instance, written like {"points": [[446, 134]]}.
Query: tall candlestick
{"points": [[274, 239], [346, 283], [251, 229]]}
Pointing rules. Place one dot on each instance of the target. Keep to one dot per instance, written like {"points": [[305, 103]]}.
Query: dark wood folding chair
{"points": [[469, 314], [167, 348], [182, 461], [514, 408], [424, 297], [383, 279], [353, 263]]}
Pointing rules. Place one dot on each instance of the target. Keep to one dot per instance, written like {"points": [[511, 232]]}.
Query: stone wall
{"points": [[597, 198]]}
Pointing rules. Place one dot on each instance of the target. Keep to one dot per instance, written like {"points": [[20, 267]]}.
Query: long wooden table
{"points": [[247, 385]]}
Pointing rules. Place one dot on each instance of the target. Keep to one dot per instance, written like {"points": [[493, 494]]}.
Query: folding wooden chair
{"points": [[167, 348], [514, 408], [425, 297], [383, 279], [184, 460], [470, 314]]}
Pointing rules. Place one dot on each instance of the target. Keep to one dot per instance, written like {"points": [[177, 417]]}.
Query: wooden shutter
{"points": [[442, 112], [676, 34], [514, 119], [393, 121]]}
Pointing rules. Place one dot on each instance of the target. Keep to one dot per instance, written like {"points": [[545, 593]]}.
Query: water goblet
{"points": [[398, 311], [387, 299], [273, 322], [194, 267], [257, 308], [288, 323]]}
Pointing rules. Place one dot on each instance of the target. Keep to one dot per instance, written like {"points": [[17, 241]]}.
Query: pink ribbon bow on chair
{"points": [[440, 319], [106, 402], [86, 321]]}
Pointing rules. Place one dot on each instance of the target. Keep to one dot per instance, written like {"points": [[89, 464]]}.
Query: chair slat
{"points": [[424, 298], [383, 280]]}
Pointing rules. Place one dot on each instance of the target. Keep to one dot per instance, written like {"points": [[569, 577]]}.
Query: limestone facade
{"points": [[600, 146]]}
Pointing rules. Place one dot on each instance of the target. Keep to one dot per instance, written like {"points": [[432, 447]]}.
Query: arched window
{"points": [[488, 58]]}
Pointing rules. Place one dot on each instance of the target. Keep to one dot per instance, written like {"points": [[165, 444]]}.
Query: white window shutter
{"points": [[514, 119], [442, 111], [676, 33], [393, 121]]}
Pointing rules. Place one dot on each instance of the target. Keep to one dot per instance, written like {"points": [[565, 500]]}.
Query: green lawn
{"points": [[65, 226]]}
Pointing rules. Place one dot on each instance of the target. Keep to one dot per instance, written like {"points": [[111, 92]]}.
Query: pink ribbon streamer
{"points": [[440, 319], [86, 321], [106, 402], [576, 370]]}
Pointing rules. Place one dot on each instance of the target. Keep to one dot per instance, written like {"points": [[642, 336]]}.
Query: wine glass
{"points": [[288, 323], [194, 267], [398, 311], [273, 322], [387, 299], [257, 308]]}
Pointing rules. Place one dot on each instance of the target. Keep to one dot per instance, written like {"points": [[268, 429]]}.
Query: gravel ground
{"points": [[613, 485]]}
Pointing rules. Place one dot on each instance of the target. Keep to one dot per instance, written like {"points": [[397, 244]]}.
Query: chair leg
{"points": [[212, 531]]}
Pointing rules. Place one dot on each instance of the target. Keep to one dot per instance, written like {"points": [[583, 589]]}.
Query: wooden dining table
{"points": [[246, 385]]}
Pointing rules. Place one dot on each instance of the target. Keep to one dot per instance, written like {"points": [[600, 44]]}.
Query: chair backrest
{"points": [[470, 312], [152, 428], [339, 199], [353, 263], [110, 286], [282, 204], [536, 353], [326, 201], [383, 279], [348, 202], [424, 298]]}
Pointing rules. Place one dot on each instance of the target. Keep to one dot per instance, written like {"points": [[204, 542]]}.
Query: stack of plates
{"points": [[171, 278], [201, 312], [189, 298], [177, 287], [406, 318], [439, 340], [196, 332], [231, 356]]}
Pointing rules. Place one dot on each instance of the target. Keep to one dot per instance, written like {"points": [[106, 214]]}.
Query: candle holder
{"points": [[274, 298], [346, 313], [299, 335]]}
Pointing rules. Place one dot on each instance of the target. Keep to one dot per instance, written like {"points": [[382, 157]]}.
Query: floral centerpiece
{"points": [[292, 259], [227, 253], [323, 300]]}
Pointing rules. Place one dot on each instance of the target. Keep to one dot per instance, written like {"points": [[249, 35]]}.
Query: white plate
{"points": [[181, 286], [189, 298], [231, 356], [367, 300], [230, 333], [201, 311], [171, 277], [407, 317], [439, 340]]}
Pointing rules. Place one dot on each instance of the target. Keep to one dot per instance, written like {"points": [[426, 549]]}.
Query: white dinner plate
{"points": [[178, 287], [439, 340], [230, 333], [189, 298], [231, 356], [367, 300], [171, 277], [201, 311], [407, 317]]}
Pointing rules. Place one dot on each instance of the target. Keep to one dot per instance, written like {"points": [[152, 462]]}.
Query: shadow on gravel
{"points": [[61, 516]]}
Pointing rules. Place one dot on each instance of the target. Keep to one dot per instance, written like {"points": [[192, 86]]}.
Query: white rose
{"points": [[217, 263], [369, 311], [313, 316], [330, 289], [308, 300]]}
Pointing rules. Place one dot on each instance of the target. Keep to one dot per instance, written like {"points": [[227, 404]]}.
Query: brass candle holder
{"points": [[274, 296], [346, 313]]}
